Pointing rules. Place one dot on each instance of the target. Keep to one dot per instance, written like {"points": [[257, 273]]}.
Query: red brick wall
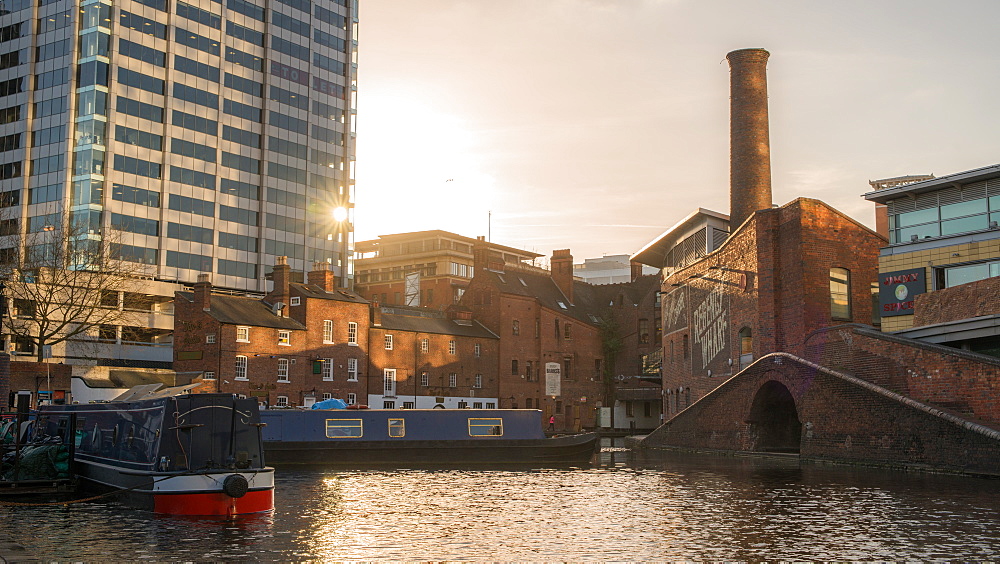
{"points": [[842, 420], [958, 302]]}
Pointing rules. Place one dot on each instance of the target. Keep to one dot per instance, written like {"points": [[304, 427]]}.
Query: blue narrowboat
{"points": [[417, 436], [169, 451]]}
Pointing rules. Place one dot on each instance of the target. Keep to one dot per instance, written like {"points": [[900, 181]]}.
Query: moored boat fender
{"points": [[357, 406], [235, 486]]}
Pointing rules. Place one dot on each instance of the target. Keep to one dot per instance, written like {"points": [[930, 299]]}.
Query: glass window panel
{"points": [[917, 217], [960, 209], [964, 225]]}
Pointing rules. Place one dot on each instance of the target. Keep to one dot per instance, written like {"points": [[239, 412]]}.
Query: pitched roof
{"points": [[588, 305], [314, 291], [238, 310], [434, 324]]}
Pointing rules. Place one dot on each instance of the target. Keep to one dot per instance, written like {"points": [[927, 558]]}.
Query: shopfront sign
{"points": [[898, 290]]}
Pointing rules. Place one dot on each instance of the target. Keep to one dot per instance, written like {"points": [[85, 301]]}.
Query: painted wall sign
{"points": [[897, 291], [553, 379]]}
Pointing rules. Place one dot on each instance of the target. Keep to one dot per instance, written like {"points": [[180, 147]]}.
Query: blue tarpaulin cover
{"points": [[332, 403]]}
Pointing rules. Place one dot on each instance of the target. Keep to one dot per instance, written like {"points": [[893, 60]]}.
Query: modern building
{"points": [[215, 136], [943, 236], [609, 269], [423, 268]]}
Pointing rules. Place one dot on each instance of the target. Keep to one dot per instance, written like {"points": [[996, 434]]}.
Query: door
{"points": [[390, 382]]}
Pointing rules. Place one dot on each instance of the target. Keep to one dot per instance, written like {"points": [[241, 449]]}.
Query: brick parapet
{"points": [[965, 301]]}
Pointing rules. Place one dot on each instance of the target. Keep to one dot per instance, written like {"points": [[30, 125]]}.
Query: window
{"points": [[479, 381], [528, 369], [567, 331], [389, 382], [327, 330], [515, 327], [388, 342], [451, 347], [453, 380], [281, 401], [282, 369], [486, 427], [425, 345], [425, 379], [285, 338], [194, 68], [957, 275], [477, 350], [746, 341], [352, 370], [242, 334], [513, 367], [352, 333], [210, 338], [327, 369], [567, 369], [241, 368], [352, 399], [840, 293], [644, 331], [327, 395], [295, 300], [397, 427], [208, 376]]}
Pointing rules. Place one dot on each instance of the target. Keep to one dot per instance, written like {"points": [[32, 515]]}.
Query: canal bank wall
{"points": [[786, 404]]}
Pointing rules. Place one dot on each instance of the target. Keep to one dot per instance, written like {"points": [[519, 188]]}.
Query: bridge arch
{"points": [[774, 419]]}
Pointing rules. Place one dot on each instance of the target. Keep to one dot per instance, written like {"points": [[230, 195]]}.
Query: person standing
{"points": [[552, 423]]}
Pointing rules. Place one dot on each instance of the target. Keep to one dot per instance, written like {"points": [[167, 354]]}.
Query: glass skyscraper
{"points": [[209, 135]]}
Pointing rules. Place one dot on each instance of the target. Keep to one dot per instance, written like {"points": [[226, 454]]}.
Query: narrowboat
{"points": [[417, 436], [169, 451]]}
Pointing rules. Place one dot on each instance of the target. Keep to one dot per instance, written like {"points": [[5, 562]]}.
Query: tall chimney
{"points": [[749, 140], [321, 276], [562, 272]]}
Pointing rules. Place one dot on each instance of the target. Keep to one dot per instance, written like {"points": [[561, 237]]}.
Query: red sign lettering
{"points": [[289, 73]]}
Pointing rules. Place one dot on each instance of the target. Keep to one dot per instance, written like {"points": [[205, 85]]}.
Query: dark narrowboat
{"points": [[169, 451], [418, 436]]}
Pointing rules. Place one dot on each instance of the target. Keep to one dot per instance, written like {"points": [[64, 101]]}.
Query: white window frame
{"points": [[294, 300], [243, 334], [453, 380], [284, 338], [478, 350], [425, 379], [352, 398], [352, 370], [210, 338], [452, 346], [327, 331], [389, 382], [281, 401], [425, 345], [327, 369], [479, 381], [208, 376], [388, 342], [283, 370], [241, 368], [327, 395], [352, 333]]}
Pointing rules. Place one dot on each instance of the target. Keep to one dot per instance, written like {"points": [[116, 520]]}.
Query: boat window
{"points": [[486, 427], [343, 428], [397, 428]]}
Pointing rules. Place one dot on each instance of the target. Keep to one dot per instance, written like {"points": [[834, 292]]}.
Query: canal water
{"points": [[621, 507]]}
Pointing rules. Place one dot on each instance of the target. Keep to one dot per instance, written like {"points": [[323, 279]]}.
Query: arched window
{"points": [[840, 293], [746, 341]]}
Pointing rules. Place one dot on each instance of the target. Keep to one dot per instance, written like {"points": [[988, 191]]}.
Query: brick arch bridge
{"points": [[783, 403]]}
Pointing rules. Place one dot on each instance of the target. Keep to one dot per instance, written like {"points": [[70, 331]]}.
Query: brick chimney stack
{"points": [[376, 310], [203, 292], [322, 276], [480, 255], [562, 272], [749, 138], [282, 273], [636, 269]]}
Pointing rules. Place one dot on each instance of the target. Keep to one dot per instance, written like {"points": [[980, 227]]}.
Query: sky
{"points": [[596, 125]]}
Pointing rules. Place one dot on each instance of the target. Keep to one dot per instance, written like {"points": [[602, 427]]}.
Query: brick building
{"points": [[438, 265], [425, 358], [300, 344]]}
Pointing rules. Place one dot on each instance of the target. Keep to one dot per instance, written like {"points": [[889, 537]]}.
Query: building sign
{"points": [[290, 73], [553, 379], [897, 291], [710, 327]]}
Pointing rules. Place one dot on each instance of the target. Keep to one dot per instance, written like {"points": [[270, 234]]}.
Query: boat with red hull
{"points": [[169, 451]]}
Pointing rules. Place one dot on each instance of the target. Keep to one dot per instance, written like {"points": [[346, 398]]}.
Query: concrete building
{"points": [[215, 136], [938, 273], [423, 268], [609, 269]]}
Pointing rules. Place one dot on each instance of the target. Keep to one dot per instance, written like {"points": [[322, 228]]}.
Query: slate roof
{"points": [[237, 310], [313, 291], [435, 325], [586, 306]]}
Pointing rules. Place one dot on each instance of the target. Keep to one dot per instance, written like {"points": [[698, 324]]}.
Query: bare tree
{"points": [[60, 282]]}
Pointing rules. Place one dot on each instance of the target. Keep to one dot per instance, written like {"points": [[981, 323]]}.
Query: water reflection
{"points": [[622, 507]]}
